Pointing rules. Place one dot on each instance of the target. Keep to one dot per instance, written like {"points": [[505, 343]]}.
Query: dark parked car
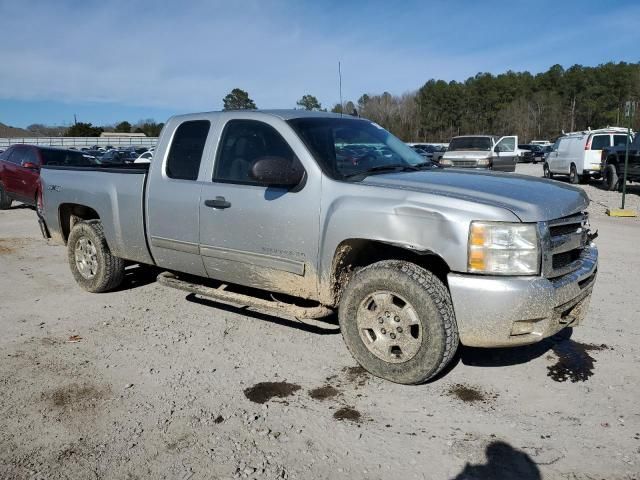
{"points": [[612, 164], [118, 157], [20, 170], [430, 152]]}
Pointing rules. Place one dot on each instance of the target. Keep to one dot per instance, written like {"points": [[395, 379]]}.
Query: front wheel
{"points": [[397, 321], [547, 172], [93, 266]]}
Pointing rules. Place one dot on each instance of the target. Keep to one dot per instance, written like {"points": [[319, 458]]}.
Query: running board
{"points": [[221, 293]]}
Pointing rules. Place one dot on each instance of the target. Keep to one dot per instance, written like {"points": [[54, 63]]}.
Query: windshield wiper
{"points": [[402, 167]]}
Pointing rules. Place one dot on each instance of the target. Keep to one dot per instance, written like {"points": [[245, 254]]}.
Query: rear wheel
{"points": [[397, 321], [547, 173], [5, 200], [573, 175], [610, 177], [93, 266]]}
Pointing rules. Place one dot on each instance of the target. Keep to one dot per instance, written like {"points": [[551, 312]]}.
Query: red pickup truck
{"points": [[20, 170]]}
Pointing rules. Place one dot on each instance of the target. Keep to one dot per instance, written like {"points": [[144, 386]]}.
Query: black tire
{"points": [[431, 303], [109, 270], [610, 178], [573, 175], [547, 173], [5, 200]]}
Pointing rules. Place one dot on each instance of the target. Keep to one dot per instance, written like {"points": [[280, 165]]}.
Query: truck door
{"points": [[505, 156], [256, 235], [173, 193]]}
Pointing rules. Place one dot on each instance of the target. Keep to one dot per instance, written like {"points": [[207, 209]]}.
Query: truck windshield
{"points": [[470, 143], [347, 146]]}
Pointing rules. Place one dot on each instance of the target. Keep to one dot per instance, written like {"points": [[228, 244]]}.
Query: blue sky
{"points": [[129, 60]]}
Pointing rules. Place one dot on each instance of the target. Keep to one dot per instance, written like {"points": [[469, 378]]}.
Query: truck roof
{"points": [[283, 114]]}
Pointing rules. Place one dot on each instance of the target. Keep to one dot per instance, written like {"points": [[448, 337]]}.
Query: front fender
{"points": [[415, 221]]}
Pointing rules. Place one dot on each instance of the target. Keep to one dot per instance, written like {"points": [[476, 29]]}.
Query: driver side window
{"points": [[243, 143]]}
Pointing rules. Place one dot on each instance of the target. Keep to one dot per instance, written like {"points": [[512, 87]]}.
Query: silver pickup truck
{"points": [[307, 213]]}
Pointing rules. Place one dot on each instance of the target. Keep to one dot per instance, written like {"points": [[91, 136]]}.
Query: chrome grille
{"points": [[465, 163], [564, 242]]}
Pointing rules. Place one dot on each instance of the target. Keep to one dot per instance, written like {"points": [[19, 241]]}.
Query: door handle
{"points": [[219, 202]]}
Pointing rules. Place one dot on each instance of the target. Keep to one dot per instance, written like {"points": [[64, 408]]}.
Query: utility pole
{"points": [[340, 86], [629, 110]]}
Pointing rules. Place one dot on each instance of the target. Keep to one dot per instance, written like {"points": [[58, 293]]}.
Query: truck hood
{"points": [[530, 199]]}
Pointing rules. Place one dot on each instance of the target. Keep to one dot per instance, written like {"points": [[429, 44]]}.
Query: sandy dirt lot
{"points": [[148, 382]]}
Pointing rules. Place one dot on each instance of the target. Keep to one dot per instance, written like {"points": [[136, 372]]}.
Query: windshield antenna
{"points": [[340, 86]]}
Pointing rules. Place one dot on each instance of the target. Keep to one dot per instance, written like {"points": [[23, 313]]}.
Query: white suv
{"points": [[578, 154]]}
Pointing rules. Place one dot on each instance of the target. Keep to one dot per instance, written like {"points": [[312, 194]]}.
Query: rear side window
{"points": [[6, 154], [598, 142], [185, 154], [620, 140], [17, 155]]}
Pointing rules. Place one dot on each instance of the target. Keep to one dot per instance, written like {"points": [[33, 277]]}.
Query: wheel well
{"points": [[72, 213], [354, 254]]}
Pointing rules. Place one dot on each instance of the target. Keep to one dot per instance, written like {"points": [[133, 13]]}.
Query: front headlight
{"points": [[503, 248], [484, 162], [446, 162]]}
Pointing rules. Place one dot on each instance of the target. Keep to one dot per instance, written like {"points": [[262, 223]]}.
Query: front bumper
{"points": [[493, 311]]}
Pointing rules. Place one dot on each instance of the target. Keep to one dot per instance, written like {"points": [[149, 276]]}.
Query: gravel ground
{"points": [[148, 382]]}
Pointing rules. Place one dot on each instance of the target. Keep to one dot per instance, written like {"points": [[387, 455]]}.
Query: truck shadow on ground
{"points": [[316, 327], [503, 357], [137, 275], [503, 462]]}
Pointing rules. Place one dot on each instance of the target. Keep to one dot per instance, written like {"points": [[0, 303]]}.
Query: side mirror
{"points": [[30, 166], [276, 171]]}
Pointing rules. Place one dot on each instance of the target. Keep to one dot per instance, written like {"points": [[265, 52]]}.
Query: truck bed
{"points": [[114, 192]]}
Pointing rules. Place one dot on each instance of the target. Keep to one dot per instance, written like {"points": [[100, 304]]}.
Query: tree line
{"points": [[539, 106]]}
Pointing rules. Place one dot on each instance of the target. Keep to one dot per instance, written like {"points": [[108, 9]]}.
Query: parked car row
{"points": [[20, 167], [580, 156]]}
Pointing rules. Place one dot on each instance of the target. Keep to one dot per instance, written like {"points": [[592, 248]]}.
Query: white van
{"points": [[578, 154]]}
